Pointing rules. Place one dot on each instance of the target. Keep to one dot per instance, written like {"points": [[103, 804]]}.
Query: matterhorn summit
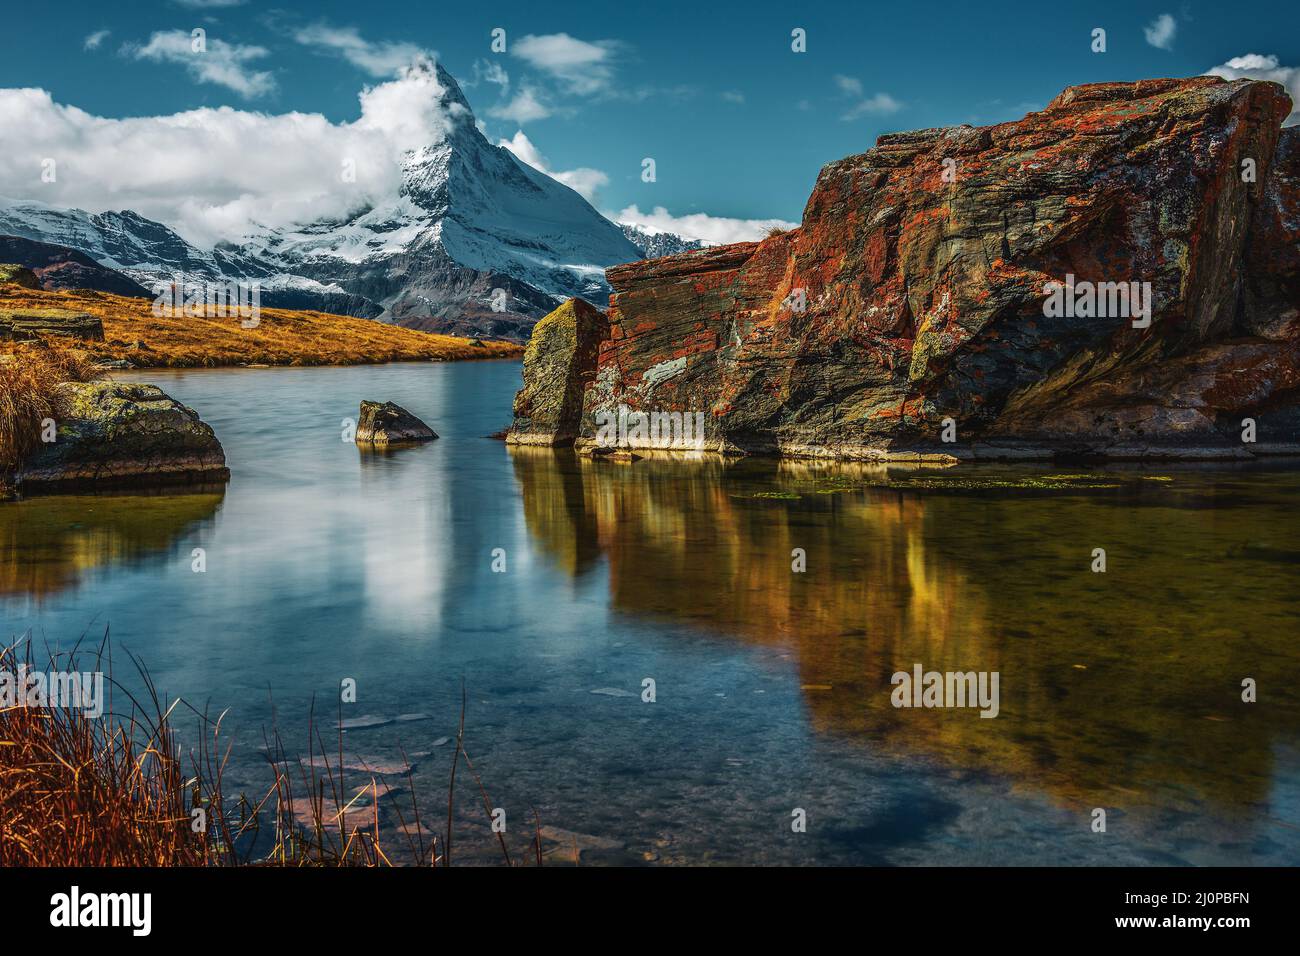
{"points": [[472, 241]]}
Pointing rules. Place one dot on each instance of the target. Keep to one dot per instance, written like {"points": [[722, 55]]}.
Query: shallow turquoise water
{"points": [[1118, 690]]}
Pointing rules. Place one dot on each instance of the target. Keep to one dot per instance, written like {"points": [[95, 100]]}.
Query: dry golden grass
{"points": [[120, 790], [29, 373], [282, 337]]}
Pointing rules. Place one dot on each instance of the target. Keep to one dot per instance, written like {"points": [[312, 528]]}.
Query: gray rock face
{"points": [[123, 434], [389, 424]]}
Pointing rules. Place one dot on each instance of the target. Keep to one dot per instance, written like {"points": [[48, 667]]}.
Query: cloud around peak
{"points": [[217, 174], [583, 180]]}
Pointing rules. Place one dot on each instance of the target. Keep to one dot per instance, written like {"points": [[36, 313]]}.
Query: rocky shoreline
{"points": [[1114, 277]]}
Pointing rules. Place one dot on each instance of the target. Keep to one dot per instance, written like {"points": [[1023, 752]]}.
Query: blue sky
{"points": [[738, 124]]}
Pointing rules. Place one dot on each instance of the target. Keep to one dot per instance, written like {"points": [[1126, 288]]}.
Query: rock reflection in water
{"points": [[1120, 688], [51, 543]]}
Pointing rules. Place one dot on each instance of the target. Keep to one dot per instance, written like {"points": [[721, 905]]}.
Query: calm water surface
{"points": [[1118, 690]]}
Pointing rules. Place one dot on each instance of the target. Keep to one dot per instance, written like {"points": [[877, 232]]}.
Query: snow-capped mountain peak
{"points": [[473, 241]]}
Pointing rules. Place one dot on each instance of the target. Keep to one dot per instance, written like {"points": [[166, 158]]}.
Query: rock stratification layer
{"points": [[1115, 275]]}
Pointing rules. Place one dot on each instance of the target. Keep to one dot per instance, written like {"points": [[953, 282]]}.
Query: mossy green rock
{"points": [[123, 433], [22, 325], [559, 364], [18, 275]]}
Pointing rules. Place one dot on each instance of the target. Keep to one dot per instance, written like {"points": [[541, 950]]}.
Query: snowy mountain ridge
{"points": [[475, 242]]}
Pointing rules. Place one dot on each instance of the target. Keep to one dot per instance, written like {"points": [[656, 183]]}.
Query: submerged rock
{"points": [[1117, 275], [390, 424], [559, 364], [123, 434]]}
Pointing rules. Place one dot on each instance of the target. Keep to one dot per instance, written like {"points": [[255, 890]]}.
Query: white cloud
{"points": [[381, 59], [877, 104], [583, 67], [524, 107], [1255, 66], [214, 173], [583, 180], [717, 230], [222, 63], [733, 96], [849, 85], [1160, 32], [489, 71], [95, 39]]}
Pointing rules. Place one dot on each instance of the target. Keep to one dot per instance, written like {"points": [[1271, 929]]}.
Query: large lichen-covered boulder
{"points": [[915, 302], [389, 424], [123, 434], [24, 325], [559, 364]]}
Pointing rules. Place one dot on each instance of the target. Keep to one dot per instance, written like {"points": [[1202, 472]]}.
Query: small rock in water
{"points": [[384, 768], [361, 723], [583, 841], [390, 424]]}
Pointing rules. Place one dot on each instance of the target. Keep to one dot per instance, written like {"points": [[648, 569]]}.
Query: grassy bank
{"points": [[29, 373], [282, 337]]}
